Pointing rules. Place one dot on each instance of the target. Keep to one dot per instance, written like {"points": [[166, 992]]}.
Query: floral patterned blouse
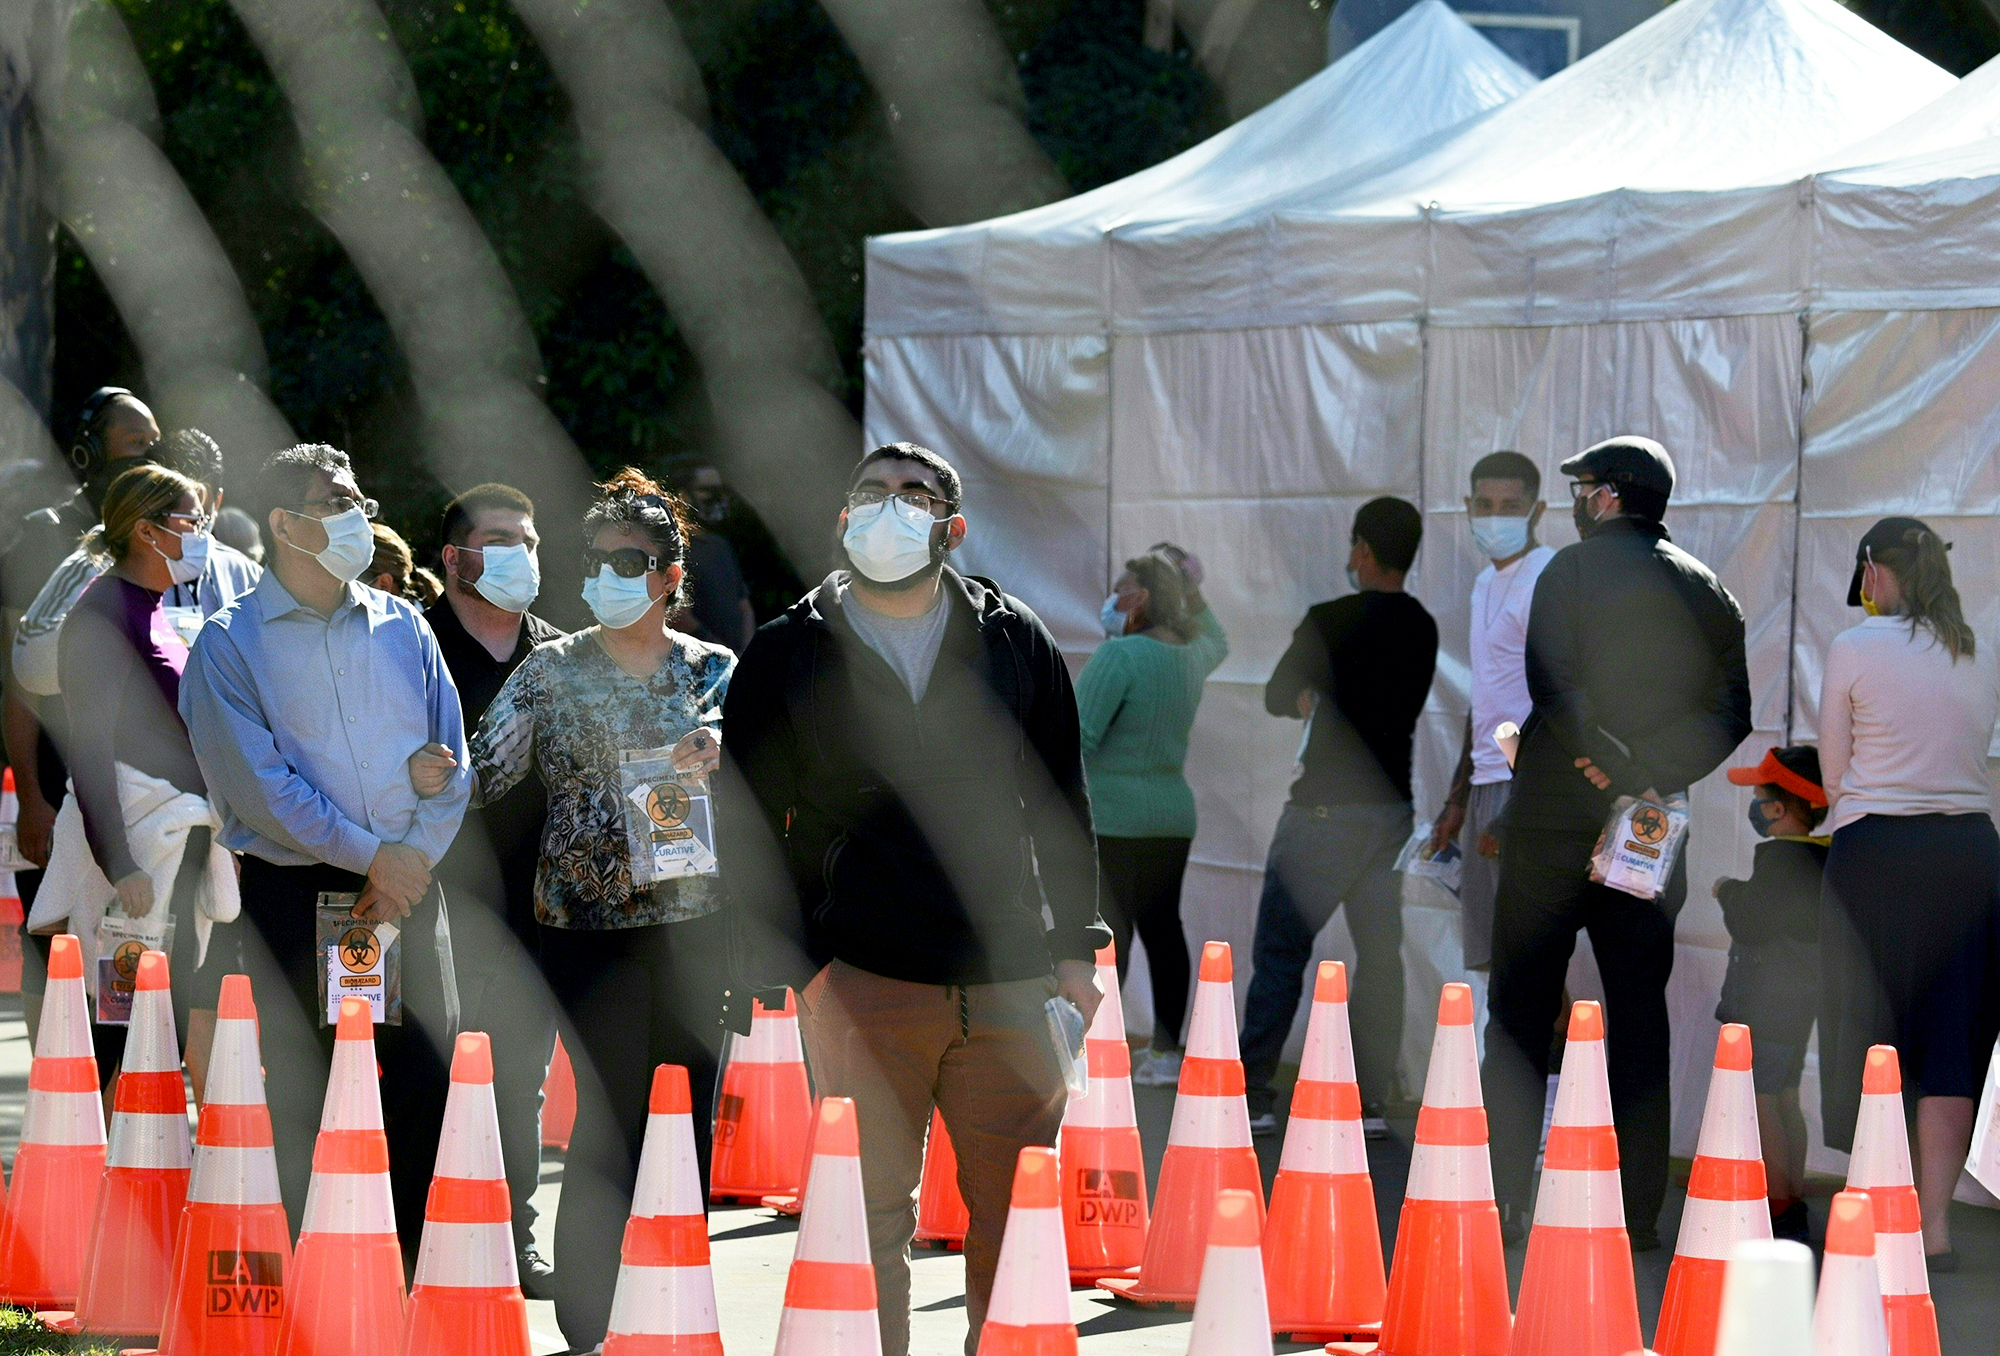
{"points": [[568, 711]]}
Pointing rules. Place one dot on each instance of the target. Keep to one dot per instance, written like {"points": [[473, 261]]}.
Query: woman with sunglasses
{"points": [[633, 950], [120, 659]]}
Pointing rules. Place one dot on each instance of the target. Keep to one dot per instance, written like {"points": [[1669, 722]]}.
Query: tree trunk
{"points": [[27, 256]]}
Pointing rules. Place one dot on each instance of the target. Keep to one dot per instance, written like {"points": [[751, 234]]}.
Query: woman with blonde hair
{"points": [[1911, 896], [138, 786]]}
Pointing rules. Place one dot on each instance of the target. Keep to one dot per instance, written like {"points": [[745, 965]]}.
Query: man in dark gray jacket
{"points": [[1636, 667]]}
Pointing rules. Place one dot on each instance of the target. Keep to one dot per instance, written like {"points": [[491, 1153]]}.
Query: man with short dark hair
{"points": [[492, 573], [1358, 672], [1636, 669], [306, 701], [908, 739], [719, 603], [1502, 511]]}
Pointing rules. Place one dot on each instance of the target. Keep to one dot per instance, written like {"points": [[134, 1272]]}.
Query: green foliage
{"points": [[1958, 35], [789, 106], [20, 1335]]}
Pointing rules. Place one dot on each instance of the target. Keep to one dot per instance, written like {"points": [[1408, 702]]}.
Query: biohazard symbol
{"points": [[1649, 824], [667, 805], [359, 950], [125, 960]]}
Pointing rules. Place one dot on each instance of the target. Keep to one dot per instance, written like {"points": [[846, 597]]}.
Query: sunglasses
{"points": [[627, 562]]}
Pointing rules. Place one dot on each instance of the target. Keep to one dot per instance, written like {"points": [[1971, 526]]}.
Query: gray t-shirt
{"points": [[909, 645]]}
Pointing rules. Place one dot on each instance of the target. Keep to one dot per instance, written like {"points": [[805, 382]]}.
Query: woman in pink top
{"points": [[1911, 895]]}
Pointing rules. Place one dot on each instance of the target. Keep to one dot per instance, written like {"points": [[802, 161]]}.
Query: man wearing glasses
{"points": [[910, 737], [305, 701], [1635, 665]]}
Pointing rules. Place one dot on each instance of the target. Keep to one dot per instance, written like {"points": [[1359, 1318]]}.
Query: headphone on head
{"points": [[87, 446]]}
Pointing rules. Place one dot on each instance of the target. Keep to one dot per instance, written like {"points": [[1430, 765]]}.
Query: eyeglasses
{"points": [[919, 500], [627, 562], [1580, 490], [201, 522], [340, 504]]}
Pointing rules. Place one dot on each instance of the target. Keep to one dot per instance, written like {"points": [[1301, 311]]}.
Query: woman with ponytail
{"points": [[1911, 904]]}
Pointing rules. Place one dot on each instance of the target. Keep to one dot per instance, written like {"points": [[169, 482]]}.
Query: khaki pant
{"points": [[981, 1055]]}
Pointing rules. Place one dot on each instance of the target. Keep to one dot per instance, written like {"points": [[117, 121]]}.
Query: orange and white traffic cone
{"points": [[1577, 1292], [1103, 1167], [791, 1204], [830, 1290], [1725, 1203], [664, 1303], [1322, 1244], [1448, 1282], [346, 1296], [227, 1297], [60, 1163], [125, 1280], [558, 1100], [1849, 1318], [1232, 1316], [764, 1112], [1029, 1312], [1208, 1146], [942, 1218], [1881, 1167], [467, 1298]]}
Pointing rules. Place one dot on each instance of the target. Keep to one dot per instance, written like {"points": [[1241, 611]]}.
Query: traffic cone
{"points": [[1322, 1244], [60, 1163], [1231, 1314], [830, 1290], [764, 1113], [1849, 1319], [1577, 1293], [467, 1297], [1881, 1167], [146, 1176], [1767, 1300], [346, 1292], [1725, 1203], [790, 1204], [664, 1303], [558, 1100], [1103, 1168], [1448, 1282], [1208, 1146], [942, 1218], [1029, 1311], [227, 1296]]}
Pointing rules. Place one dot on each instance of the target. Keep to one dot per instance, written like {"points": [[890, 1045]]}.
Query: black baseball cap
{"points": [[1889, 533], [1626, 460]]}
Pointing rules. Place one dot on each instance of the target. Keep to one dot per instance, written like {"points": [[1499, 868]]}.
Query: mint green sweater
{"points": [[1136, 700]]}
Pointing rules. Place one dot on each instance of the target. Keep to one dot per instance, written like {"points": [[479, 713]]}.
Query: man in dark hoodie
{"points": [[911, 819]]}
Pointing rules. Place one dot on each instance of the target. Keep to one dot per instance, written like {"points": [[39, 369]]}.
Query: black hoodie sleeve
{"points": [[1058, 800], [758, 788]]}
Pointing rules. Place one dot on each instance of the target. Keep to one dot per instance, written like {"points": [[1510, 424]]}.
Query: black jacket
{"points": [[915, 841], [1635, 661], [1781, 898]]}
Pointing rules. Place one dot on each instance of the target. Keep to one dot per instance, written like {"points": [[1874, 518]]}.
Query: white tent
{"points": [[991, 339], [1628, 247]]}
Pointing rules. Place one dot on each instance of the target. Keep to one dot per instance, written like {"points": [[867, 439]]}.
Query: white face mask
{"points": [[194, 558], [616, 602], [890, 541], [510, 576], [1500, 538], [350, 544]]}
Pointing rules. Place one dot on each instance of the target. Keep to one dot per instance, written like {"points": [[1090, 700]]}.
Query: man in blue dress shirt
{"points": [[306, 699]]}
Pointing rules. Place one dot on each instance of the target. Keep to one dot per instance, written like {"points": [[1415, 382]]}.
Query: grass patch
{"points": [[20, 1335]]}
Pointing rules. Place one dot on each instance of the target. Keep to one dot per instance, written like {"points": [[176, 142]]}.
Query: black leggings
{"points": [[1142, 888]]}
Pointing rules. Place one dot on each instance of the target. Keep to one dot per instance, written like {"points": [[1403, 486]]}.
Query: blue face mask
{"points": [[1758, 818], [1112, 619], [1353, 579]]}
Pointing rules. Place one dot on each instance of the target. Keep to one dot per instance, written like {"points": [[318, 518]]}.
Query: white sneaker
{"points": [[1374, 1127], [1159, 1069], [1264, 1124]]}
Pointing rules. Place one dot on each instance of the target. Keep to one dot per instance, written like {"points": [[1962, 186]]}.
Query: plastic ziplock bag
{"points": [[358, 959], [1443, 866], [669, 827], [120, 943], [1640, 844], [1066, 1034]]}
